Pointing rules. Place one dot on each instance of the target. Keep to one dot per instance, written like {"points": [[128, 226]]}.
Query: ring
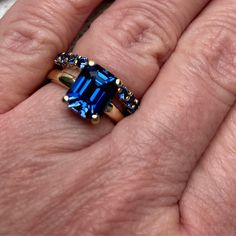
{"points": [[92, 89]]}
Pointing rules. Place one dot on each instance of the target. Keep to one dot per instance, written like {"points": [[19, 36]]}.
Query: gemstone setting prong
{"points": [[119, 83], [65, 99], [91, 63], [95, 119]]}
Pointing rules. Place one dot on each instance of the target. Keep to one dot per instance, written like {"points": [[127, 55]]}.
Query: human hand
{"points": [[169, 169]]}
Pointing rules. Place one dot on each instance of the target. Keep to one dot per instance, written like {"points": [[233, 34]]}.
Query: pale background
{"points": [[5, 5]]}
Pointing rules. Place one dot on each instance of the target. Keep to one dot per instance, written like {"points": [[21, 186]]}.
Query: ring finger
{"points": [[131, 39]]}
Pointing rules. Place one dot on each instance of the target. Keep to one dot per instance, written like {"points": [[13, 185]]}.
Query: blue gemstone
{"points": [[131, 103], [82, 62], [128, 99], [93, 89], [61, 59], [71, 59], [123, 94]]}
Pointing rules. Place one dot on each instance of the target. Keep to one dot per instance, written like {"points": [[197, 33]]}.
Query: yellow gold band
{"points": [[67, 77]]}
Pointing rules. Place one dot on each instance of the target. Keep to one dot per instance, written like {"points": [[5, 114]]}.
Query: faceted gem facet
{"points": [[71, 59], [82, 62], [93, 89], [61, 59], [123, 93]]}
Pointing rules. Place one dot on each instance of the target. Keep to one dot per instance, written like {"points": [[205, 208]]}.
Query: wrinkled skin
{"points": [[169, 169]]}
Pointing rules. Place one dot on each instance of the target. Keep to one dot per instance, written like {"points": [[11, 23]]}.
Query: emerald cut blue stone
{"points": [[93, 89]]}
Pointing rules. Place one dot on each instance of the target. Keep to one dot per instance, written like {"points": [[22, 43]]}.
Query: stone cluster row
{"points": [[68, 59], [128, 98]]}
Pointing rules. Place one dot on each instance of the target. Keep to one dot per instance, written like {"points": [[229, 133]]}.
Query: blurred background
{"points": [[5, 5]]}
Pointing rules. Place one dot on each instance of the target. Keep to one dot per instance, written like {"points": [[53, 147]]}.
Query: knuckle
{"points": [[132, 24], [213, 50], [32, 32], [25, 40]]}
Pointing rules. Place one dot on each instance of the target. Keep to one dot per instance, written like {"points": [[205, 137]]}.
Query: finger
{"points": [[49, 127], [209, 199], [183, 109], [132, 39], [31, 35], [210, 195], [211, 186]]}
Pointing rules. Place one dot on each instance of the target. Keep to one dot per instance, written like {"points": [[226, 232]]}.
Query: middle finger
{"points": [[183, 110]]}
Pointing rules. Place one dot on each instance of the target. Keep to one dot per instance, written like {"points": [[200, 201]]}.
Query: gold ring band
{"points": [[67, 77], [92, 89]]}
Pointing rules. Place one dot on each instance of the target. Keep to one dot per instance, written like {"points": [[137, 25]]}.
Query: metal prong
{"points": [[120, 90], [96, 119], [76, 62], [127, 98], [136, 101], [118, 82], [130, 93], [65, 99], [91, 63]]}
